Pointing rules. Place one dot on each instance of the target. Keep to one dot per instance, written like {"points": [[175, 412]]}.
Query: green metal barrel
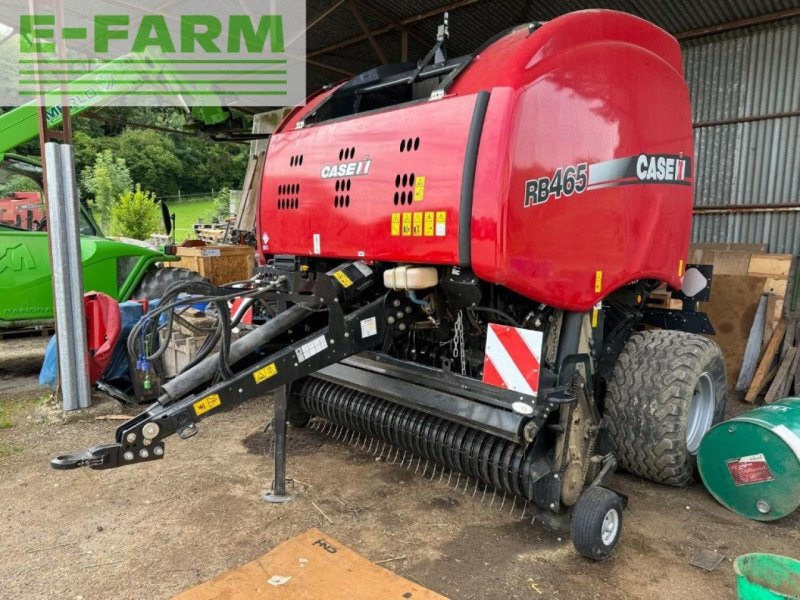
{"points": [[751, 464]]}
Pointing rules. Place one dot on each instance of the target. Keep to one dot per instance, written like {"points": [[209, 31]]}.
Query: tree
{"points": [[222, 206], [150, 156], [85, 150], [106, 180], [17, 183], [136, 215]]}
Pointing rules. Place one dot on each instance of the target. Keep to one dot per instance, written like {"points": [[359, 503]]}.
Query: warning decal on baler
{"points": [[419, 224], [419, 188], [430, 219], [406, 224], [512, 358], [206, 404], [265, 373], [749, 469], [311, 348], [417, 227], [343, 279], [441, 223]]}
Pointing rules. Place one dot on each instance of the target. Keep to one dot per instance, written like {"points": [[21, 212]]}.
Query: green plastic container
{"points": [[751, 464], [767, 577]]}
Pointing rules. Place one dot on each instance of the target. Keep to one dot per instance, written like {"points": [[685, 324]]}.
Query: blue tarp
{"points": [[130, 314]]}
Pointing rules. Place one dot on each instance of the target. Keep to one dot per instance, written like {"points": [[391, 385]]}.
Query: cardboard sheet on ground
{"points": [[317, 566]]}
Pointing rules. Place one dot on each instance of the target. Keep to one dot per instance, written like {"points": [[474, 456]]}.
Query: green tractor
{"points": [[121, 270]]}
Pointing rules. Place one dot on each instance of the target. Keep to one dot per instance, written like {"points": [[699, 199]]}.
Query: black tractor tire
{"points": [[596, 523], [156, 281], [667, 390]]}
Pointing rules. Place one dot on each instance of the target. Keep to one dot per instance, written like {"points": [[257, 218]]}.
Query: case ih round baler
{"points": [[461, 253]]}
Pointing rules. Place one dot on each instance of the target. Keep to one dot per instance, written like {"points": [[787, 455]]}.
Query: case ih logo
{"points": [[661, 168], [348, 169], [674, 169]]}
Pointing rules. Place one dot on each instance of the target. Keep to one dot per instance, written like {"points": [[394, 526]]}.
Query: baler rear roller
{"points": [[497, 462], [496, 465]]}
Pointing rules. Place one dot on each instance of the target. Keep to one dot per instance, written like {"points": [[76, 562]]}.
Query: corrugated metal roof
{"points": [[473, 23]]}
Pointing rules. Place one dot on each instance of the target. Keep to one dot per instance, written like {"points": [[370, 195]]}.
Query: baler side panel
{"points": [[352, 215], [599, 102]]}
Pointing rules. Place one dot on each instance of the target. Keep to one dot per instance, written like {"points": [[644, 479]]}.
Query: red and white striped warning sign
{"points": [[512, 358]]}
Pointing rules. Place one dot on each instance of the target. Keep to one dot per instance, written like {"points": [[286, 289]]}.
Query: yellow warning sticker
{"points": [[406, 224], [429, 223], [417, 230], [595, 313], [206, 404], [265, 373], [598, 282], [441, 223], [343, 279], [419, 189], [395, 224]]}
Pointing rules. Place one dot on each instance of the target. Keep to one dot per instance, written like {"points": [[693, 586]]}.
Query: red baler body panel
{"points": [[591, 106], [351, 214]]}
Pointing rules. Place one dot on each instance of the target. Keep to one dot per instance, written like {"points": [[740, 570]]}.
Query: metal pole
{"points": [[67, 272], [78, 312], [278, 494]]}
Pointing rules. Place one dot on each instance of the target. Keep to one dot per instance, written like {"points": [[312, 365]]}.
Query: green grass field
{"points": [[187, 213]]}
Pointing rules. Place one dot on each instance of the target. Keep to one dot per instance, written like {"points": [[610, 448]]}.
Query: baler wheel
{"points": [[156, 281], [667, 390], [596, 523]]}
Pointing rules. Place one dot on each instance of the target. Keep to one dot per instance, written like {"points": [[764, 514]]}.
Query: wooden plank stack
{"points": [[747, 310], [251, 194], [778, 372]]}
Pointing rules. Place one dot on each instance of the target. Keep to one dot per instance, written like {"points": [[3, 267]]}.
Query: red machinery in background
{"points": [[24, 210]]}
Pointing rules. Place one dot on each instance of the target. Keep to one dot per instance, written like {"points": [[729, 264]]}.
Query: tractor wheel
{"points": [[156, 281], [667, 390], [596, 523]]}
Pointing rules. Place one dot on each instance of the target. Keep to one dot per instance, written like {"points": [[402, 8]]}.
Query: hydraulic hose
{"points": [[205, 370]]}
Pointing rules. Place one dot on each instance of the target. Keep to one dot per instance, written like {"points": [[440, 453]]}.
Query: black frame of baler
{"points": [[535, 432]]}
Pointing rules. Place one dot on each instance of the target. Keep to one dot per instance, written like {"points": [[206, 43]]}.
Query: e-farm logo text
{"points": [[192, 52]]}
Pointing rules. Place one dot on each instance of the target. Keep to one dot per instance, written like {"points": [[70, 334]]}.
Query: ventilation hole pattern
{"points": [[409, 145], [346, 153], [404, 182], [287, 196]]}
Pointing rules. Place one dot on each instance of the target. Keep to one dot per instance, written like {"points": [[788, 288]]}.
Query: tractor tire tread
{"points": [[648, 398], [156, 281]]}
